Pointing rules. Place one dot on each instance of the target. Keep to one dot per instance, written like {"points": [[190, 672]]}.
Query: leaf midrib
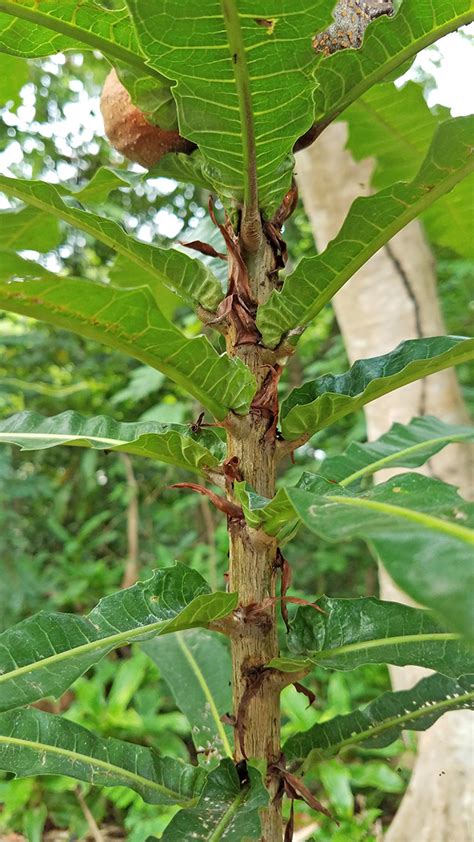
{"points": [[389, 231], [70, 30], [462, 533], [455, 356], [80, 221], [207, 693], [385, 69], [112, 334], [106, 643], [400, 720], [65, 439], [226, 819], [76, 757], [399, 640], [242, 82], [400, 454]]}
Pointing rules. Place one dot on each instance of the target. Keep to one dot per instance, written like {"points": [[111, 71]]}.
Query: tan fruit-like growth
{"points": [[130, 133]]}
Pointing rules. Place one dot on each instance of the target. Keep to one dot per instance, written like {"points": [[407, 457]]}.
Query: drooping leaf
{"points": [[172, 443], [396, 126], [226, 812], [129, 321], [403, 446], [188, 277], [231, 61], [352, 632], [321, 402], [383, 720], [371, 222], [420, 527], [44, 654], [196, 666], [37, 743], [388, 44]]}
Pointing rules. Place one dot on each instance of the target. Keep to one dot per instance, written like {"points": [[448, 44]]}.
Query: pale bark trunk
{"points": [[390, 299]]}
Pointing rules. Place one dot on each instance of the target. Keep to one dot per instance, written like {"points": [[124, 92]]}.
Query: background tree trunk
{"points": [[390, 299]]}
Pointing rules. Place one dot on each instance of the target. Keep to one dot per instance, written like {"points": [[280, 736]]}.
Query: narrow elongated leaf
{"points": [[36, 743], [35, 28], [226, 811], [388, 44], [396, 126], [129, 321], [383, 720], [230, 61], [403, 446], [371, 222], [352, 632], [420, 527], [186, 276], [172, 443], [196, 666], [43, 655], [321, 402]]}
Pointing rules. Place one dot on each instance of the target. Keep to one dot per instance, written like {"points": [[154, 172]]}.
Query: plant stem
{"points": [[252, 571]]}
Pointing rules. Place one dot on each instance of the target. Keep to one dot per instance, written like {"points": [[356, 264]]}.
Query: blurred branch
{"points": [[130, 575]]}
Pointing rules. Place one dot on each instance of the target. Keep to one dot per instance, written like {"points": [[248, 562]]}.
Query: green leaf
{"points": [[188, 277], [383, 720], [182, 167], [371, 222], [154, 100], [447, 222], [98, 188], [322, 402], [28, 228], [196, 666], [44, 654], [336, 779], [230, 70], [37, 743], [226, 810], [352, 632], [388, 44], [420, 527], [172, 443], [396, 126], [129, 321], [36, 28], [403, 446], [14, 74]]}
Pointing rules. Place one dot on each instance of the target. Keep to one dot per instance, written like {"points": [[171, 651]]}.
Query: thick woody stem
{"points": [[253, 568]]}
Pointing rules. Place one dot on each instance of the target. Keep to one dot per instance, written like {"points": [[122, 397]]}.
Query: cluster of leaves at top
{"points": [[211, 68]]}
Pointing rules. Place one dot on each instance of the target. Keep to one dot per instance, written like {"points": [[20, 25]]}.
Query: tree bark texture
{"points": [[390, 299]]}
